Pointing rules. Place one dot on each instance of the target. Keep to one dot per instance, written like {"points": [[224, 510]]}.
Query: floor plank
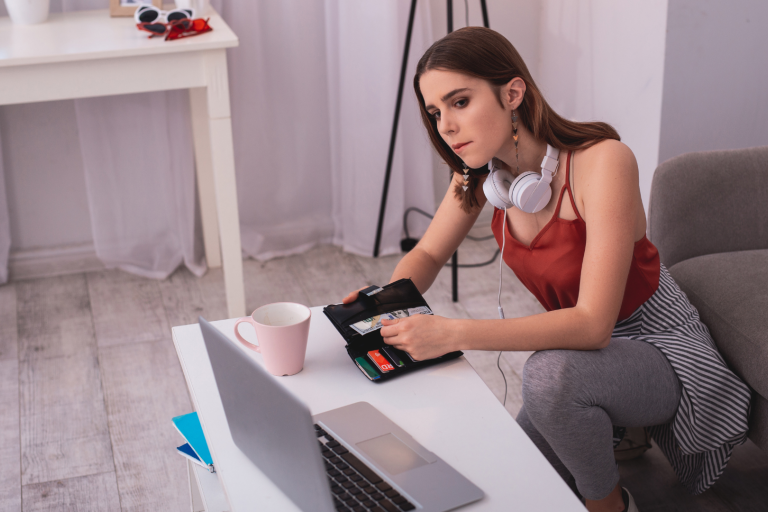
{"points": [[376, 271], [63, 421], [272, 281], [10, 442], [744, 483], [54, 317], [484, 363], [150, 475], [185, 296], [97, 493], [656, 488], [126, 308], [323, 272], [9, 341]]}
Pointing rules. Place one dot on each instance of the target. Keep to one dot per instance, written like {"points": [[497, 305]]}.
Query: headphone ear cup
{"points": [[496, 188], [521, 190]]}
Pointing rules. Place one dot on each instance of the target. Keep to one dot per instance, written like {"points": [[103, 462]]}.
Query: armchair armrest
{"points": [[709, 202]]}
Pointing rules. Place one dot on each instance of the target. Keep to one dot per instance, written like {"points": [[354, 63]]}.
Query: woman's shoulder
{"points": [[606, 155]]}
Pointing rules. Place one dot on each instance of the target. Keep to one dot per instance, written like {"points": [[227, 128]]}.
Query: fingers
{"points": [[389, 328], [352, 297]]}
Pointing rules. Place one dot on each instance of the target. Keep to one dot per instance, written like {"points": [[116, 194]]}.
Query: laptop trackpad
{"points": [[391, 454]]}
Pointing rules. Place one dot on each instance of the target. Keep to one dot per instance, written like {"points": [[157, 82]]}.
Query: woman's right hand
{"points": [[352, 297]]}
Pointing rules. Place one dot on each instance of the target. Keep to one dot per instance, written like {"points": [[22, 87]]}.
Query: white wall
{"points": [[603, 60], [715, 77]]}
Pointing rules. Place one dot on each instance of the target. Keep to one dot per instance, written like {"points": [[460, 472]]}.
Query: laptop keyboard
{"points": [[354, 485]]}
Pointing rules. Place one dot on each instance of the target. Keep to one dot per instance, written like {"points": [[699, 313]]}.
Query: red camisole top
{"points": [[551, 266]]}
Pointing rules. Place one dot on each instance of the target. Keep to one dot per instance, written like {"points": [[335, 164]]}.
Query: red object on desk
{"points": [[176, 29]]}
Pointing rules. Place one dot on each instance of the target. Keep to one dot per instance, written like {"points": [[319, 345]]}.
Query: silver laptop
{"points": [[350, 458]]}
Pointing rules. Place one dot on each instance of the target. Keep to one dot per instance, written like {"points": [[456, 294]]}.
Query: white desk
{"points": [[86, 53], [447, 408]]}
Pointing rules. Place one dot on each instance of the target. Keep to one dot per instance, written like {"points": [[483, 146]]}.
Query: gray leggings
{"points": [[572, 399]]}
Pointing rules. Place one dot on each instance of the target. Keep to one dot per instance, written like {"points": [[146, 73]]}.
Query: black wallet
{"points": [[385, 362]]}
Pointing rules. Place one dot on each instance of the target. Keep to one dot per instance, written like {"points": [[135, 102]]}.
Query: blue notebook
{"points": [[196, 448]]}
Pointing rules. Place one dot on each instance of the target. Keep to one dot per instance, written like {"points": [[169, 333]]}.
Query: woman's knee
{"points": [[550, 381]]}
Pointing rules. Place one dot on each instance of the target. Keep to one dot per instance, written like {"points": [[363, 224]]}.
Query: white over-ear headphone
{"points": [[530, 192]]}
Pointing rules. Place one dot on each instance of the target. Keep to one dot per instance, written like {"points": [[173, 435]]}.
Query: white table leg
{"points": [[206, 493], [198, 505], [198, 98], [223, 166]]}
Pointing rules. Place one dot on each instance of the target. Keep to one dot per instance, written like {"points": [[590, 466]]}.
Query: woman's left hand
{"points": [[422, 336]]}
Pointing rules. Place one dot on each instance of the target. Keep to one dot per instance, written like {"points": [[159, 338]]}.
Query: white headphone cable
{"points": [[501, 259], [501, 310]]}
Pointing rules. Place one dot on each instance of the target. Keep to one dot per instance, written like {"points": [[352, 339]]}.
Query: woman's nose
{"points": [[447, 125]]}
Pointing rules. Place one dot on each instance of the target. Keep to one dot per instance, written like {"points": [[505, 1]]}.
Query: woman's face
{"points": [[468, 114]]}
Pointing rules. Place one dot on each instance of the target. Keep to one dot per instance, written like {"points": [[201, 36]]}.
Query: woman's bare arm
{"points": [[611, 201], [444, 235]]}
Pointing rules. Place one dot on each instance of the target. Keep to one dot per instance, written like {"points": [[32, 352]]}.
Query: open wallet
{"points": [[359, 323]]}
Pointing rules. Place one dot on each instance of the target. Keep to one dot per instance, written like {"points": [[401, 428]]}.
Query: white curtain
{"points": [[365, 43], [140, 178], [313, 87]]}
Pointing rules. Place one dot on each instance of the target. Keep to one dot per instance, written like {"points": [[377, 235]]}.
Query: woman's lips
{"points": [[458, 147]]}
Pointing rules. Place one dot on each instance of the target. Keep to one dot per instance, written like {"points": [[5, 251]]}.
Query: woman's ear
{"points": [[514, 92]]}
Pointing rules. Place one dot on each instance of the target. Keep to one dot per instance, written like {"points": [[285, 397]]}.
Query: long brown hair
{"points": [[483, 53]]}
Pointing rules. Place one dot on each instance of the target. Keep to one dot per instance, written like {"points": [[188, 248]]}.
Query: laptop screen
{"points": [[269, 424]]}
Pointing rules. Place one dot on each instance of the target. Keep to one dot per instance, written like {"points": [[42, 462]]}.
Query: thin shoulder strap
{"points": [[568, 184], [562, 190]]}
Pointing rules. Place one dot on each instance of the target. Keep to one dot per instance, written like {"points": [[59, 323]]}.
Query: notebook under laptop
{"points": [[349, 458]]}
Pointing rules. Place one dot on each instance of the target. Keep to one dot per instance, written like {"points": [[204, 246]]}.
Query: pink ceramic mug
{"points": [[282, 329]]}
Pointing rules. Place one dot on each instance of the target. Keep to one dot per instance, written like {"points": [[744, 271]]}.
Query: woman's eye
{"points": [[435, 115], [461, 103]]}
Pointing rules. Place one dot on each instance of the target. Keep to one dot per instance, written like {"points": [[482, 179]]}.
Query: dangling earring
{"points": [[465, 186], [514, 136]]}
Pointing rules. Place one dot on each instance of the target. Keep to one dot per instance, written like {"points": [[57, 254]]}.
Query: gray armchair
{"points": [[708, 217]]}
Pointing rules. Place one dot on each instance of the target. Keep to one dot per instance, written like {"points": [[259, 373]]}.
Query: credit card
{"points": [[367, 369], [392, 355], [381, 361]]}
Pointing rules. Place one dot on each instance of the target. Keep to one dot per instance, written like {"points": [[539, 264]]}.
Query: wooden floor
{"points": [[89, 380]]}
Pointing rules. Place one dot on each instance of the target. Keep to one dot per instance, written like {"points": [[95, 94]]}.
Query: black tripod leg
{"points": [[485, 13], [388, 172], [449, 11]]}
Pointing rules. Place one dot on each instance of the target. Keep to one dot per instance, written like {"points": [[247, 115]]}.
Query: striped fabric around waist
{"points": [[714, 405]]}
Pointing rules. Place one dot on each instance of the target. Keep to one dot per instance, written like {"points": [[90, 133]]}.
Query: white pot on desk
{"points": [[27, 12]]}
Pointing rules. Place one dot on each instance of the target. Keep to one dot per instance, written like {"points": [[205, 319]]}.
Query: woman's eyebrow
{"points": [[448, 96]]}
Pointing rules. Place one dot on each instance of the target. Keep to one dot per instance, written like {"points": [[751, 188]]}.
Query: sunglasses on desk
{"points": [[151, 14], [176, 29]]}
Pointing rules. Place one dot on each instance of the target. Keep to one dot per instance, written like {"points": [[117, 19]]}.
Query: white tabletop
{"points": [[447, 408], [84, 35]]}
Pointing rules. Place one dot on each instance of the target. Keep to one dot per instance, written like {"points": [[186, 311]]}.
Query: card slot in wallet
{"points": [[399, 295]]}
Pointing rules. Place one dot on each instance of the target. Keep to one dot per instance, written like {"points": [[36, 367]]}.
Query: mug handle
{"points": [[241, 339]]}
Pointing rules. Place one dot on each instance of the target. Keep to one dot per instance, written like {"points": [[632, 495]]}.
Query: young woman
{"points": [[620, 344]]}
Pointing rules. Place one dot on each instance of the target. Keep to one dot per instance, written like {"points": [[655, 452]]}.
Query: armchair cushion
{"points": [[709, 202], [730, 291]]}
